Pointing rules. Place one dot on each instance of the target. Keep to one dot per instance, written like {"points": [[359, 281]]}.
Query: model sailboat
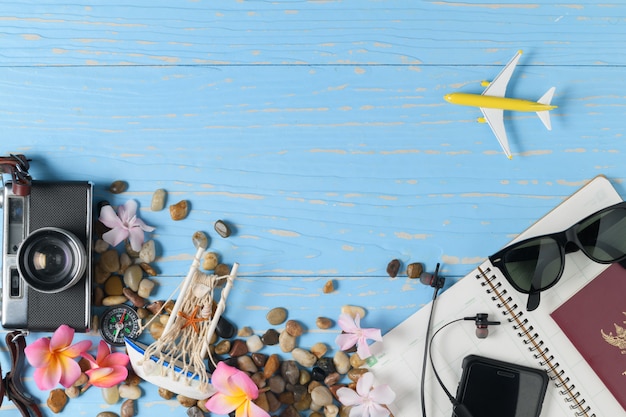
{"points": [[176, 360]]}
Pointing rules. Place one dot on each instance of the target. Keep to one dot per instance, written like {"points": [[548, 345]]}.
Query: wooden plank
{"points": [[329, 172], [355, 32]]}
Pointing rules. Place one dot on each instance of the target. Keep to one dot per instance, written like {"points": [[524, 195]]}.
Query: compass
{"points": [[118, 322]]}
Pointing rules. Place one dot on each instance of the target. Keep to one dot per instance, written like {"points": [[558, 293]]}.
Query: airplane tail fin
{"points": [[545, 115]]}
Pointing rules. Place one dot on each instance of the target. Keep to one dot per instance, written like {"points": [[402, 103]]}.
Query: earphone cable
{"points": [[432, 364]]}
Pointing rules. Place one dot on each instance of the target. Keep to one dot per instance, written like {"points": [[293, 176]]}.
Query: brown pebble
{"points": [[323, 323], [286, 397], [270, 337], [168, 307], [148, 269], [57, 400], [98, 296], [186, 401], [260, 359], [179, 210], [165, 394], [262, 402], [210, 261], [393, 268], [414, 270], [113, 285], [238, 348], [272, 401], [222, 228], [134, 297], [222, 270], [355, 373], [271, 366], [110, 261], [118, 187], [332, 379], [155, 306], [128, 408], [293, 328], [329, 287]]}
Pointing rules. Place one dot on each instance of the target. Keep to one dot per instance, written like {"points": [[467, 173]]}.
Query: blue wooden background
{"points": [[318, 129]]}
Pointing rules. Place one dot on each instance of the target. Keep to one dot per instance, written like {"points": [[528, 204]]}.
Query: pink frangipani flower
{"points": [[355, 335], [54, 357], [107, 369], [367, 402], [124, 224], [235, 392]]}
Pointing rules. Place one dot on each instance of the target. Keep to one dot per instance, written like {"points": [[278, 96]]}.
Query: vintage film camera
{"points": [[46, 251]]}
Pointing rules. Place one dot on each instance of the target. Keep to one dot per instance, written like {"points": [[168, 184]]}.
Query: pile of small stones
{"points": [[301, 380], [307, 381]]}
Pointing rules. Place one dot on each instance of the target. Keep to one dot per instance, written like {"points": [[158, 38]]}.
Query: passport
{"points": [[594, 320]]}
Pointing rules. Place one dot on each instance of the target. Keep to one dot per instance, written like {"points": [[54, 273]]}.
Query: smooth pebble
{"points": [[200, 240], [286, 342], [342, 362], [111, 395], [100, 246], [133, 276], [195, 412], [294, 328], [319, 349], [110, 261], [118, 187], [179, 210], [148, 252], [254, 343], [276, 316], [128, 408], [113, 300], [145, 287], [321, 396], [158, 200], [210, 261], [324, 323], [131, 392], [303, 357], [113, 285], [56, 400], [352, 311], [222, 228]]}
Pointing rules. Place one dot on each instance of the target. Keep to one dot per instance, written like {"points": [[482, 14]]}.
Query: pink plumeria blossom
{"points": [[353, 334], [367, 401], [54, 357], [124, 224], [235, 392], [107, 369]]}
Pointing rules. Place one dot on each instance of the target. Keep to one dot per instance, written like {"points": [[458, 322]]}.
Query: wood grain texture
{"points": [[318, 130]]}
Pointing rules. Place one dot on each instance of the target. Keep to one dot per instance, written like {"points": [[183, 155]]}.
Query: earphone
{"points": [[482, 322]]}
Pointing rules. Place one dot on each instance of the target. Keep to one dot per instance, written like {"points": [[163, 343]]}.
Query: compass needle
{"points": [[120, 321]]}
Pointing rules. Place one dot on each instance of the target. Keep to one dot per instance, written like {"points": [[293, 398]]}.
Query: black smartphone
{"points": [[493, 388]]}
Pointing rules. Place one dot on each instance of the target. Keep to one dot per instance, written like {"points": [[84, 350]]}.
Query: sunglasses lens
{"points": [[534, 264], [603, 236]]}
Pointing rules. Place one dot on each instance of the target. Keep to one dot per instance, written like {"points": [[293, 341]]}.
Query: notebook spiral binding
{"points": [[515, 316]]}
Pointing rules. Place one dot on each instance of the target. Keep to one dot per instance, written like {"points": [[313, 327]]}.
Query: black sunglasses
{"points": [[536, 264]]}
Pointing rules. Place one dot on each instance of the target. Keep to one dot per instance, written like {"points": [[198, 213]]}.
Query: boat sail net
{"points": [[176, 360]]}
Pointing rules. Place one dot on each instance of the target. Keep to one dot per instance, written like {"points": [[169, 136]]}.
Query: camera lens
{"points": [[51, 260]]}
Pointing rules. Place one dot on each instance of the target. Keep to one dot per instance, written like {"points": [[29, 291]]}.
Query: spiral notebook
{"points": [[528, 338]]}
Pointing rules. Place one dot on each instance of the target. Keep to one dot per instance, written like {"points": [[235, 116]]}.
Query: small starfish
{"points": [[192, 320]]}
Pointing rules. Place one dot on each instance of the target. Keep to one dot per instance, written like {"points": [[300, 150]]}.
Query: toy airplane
{"points": [[492, 102]]}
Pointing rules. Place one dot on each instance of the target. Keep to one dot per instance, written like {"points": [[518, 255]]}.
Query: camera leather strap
{"points": [[12, 382]]}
